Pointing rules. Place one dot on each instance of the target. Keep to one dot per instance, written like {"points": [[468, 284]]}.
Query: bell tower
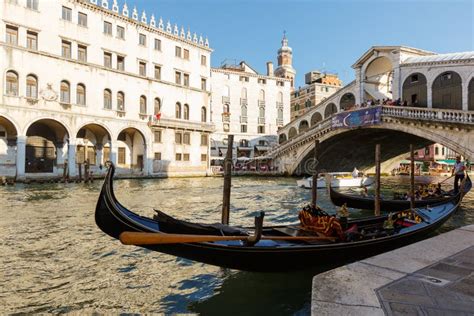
{"points": [[285, 59]]}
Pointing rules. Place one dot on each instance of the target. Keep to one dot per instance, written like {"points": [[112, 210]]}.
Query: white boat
{"points": [[337, 181]]}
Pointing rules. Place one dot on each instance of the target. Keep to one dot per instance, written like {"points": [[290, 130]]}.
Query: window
{"points": [[66, 49], [142, 104], [178, 138], [244, 79], [204, 140], [178, 157], [108, 28], [177, 77], [121, 156], [243, 111], [243, 128], [32, 40], [157, 44], [178, 110], [12, 35], [31, 87], [12, 83], [157, 135], [65, 92], [157, 106], [82, 19], [82, 53], [177, 51], [120, 32], [187, 138], [186, 54], [120, 101], [262, 81], [261, 112], [186, 112], [186, 80], [157, 156], [203, 60], [107, 60], [108, 99], [186, 157], [203, 157], [280, 83], [142, 39], [32, 4], [203, 114], [158, 72], [67, 14], [261, 129], [81, 94], [142, 68], [120, 63], [203, 84], [436, 150]]}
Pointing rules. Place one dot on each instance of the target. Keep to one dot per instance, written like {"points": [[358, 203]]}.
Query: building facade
{"points": [[249, 105], [91, 81], [318, 87]]}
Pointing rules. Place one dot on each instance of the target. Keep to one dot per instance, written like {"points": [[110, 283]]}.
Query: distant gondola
{"points": [[368, 203], [265, 253]]}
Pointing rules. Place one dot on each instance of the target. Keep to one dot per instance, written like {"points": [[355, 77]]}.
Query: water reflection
{"points": [[55, 260]]}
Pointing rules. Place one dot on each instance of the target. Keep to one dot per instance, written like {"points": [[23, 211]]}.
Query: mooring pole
{"points": [[80, 172], [377, 180], [227, 181], [314, 188], [412, 177]]}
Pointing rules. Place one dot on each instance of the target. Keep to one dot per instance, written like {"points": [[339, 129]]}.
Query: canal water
{"points": [[55, 260]]}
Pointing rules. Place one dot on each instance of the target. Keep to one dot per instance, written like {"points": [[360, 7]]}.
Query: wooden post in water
{"points": [[65, 171], [412, 177], [377, 180], [314, 188], [227, 181]]}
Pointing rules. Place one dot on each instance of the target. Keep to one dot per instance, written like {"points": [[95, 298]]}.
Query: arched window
{"points": [[157, 105], [108, 99], [203, 114], [81, 94], [243, 110], [120, 101], [31, 87], [178, 110], [261, 111], [65, 92], [142, 104], [280, 97], [12, 83], [261, 95], [226, 108], [186, 112], [243, 94]]}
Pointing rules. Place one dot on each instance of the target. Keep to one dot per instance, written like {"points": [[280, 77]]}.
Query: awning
{"points": [[446, 161], [407, 162]]}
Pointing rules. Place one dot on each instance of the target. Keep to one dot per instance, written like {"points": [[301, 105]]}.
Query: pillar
{"points": [[99, 150], [20, 157], [465, 95], [71, 158], [113, 152], [429, 93]]}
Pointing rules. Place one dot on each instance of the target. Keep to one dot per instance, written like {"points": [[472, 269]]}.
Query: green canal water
{"points": [[55, 260]]}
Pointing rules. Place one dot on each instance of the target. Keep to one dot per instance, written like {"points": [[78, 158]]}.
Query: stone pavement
{"points": [[432, 277]]}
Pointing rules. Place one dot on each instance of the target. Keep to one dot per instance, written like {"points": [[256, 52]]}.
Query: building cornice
{"points": [[459, 62], [246, 74]]}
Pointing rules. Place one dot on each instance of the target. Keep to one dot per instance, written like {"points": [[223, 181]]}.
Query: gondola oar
{"points": [[143, 238], [446, 179]]}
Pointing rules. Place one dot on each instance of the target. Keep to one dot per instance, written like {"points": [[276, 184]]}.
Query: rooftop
{"points": [[440, 57]]}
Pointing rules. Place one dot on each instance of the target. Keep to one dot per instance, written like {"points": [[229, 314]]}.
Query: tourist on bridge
{"points": [[458, 172]]}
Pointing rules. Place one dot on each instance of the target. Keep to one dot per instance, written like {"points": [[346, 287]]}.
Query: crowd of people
{"points": [[376, 102]]}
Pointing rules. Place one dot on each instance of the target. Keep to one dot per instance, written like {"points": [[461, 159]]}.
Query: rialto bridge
{"points": [[436, 93]]}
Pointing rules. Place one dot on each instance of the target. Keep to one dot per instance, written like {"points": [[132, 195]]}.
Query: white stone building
{"points": [[249, 105], [86, 80]]}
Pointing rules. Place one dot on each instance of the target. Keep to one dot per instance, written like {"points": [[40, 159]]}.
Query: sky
{"points": [[324, 35]]}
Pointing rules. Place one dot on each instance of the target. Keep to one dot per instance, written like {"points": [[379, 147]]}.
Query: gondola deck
{"points": [[266, 255]]}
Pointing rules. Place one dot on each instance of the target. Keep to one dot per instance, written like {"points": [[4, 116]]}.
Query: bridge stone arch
{"points": [[316, 118], [447, 91], [347, 101], [303, 126], [292, 133], [415, 90], [282, 138], [330, 109]]}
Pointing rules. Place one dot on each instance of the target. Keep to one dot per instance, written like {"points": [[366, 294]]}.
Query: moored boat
{"points": [[338, 180], [274, 248]]}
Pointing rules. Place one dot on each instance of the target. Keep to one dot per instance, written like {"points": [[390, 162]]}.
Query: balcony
{"points": [[225, 100], [120, 113], [243, 101], [244, 119], [279, 105], [279, 122], [176, 123], [261, 103], [143, 116], [226, 117], [261, 120]]}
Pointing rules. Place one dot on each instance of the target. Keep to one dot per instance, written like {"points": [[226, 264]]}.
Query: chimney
{"points": [[269, 68]]}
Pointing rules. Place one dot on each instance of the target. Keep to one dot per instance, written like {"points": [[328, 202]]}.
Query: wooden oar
{"points": [[446, 179], [142, 238]]}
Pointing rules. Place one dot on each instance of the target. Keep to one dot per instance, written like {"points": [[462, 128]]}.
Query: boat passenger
{"points": [[355, 173]]}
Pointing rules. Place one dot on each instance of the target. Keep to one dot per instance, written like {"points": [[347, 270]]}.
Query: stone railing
{"points": [[440, 115]]}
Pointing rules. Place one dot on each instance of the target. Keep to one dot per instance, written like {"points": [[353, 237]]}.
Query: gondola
{"points": [[368, 203], [264, 253]]}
